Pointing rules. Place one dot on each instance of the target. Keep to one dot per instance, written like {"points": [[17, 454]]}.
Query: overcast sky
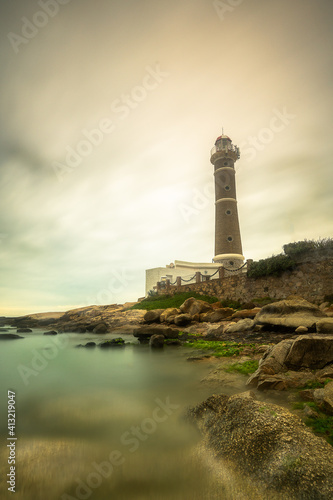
{"points": [[109, 112]]}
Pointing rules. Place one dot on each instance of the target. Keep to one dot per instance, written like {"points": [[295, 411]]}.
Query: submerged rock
{"points": [[9, 336], [156, 341], [24, 330], [119, 342], [52, 332], [267, 443]]}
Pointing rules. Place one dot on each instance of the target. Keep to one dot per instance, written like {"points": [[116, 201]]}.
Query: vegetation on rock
{"points": [[306, 247], [277, 264], [219, 349], [168, 301], [245, 368]]}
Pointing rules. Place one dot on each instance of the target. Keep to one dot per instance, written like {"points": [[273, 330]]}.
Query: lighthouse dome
{"points": [[222, 137]]}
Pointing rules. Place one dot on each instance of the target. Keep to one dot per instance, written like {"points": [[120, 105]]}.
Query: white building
{"points": [[185, 270]]}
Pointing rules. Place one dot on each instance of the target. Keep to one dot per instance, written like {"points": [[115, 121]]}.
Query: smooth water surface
{"points": [[105, 423]]}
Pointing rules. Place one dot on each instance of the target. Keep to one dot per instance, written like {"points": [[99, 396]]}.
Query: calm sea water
{"points": [[105, 423]]}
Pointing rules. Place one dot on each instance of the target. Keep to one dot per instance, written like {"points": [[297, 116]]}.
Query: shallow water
{"points": [[106, 423]]}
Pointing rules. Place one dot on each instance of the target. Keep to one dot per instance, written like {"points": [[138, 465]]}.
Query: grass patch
{"points": [[219, 349], [245, 368], [317, 385], [176, 300], [322, 425]]}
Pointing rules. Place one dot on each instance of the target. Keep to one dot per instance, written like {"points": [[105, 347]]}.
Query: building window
{"points": [[231, 262], [228, 212], [230, 238]]}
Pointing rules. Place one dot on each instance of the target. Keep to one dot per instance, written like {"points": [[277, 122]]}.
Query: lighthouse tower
{"points": [[228, 245]]}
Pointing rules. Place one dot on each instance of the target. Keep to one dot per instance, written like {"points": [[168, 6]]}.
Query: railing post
{"points": [[198, 277], [221, 273], [179, 281], [249, 263], [158, 286], [167, 285]]}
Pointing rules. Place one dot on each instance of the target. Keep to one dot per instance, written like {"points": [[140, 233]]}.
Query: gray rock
{"points": [[24, 330], [214, 316], [170, 311], [156, 341], [182, 319], [310, 351], [145, 332], [51, 332], [242, 325], [290, 314], [325, 325], [301, 329], [153, 316], [194, 306]]}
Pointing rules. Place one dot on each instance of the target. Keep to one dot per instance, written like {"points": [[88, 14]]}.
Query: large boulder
{"points": [[145, 332], [310, 351], [281, 363], [267, 444], [289, 314], [153, 316], [194, 306]]}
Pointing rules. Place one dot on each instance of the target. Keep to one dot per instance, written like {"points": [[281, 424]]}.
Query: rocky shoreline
{"points": [[293, 341]]}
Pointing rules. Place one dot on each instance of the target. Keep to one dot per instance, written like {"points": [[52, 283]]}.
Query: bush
{"points": [[272, 266], [305, 247], [165, 301]]}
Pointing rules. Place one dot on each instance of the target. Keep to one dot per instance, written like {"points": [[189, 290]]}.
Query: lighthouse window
{"points": [[227, 188], [225, 163], [231, 262], [228, 212], [230, 238]]}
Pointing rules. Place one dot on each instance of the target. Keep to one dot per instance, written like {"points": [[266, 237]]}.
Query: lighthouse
{"points": [[228, 245]]}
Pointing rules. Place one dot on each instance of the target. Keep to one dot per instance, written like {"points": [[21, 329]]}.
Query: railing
{"points": [[198, 277], [229, 147]]}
